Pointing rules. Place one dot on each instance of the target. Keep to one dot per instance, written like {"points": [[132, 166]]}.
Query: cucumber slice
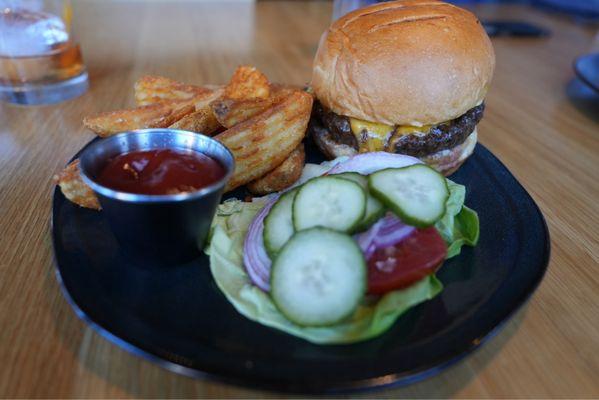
{"points": [[416, 194], [329, 202], [278, 224], [374, 208], [318, 278]]}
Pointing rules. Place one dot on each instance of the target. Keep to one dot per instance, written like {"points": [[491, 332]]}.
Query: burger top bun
{"points": [[411, 62]]}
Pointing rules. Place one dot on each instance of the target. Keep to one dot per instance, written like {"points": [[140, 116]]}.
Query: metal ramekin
{"points": [[157, 228]]}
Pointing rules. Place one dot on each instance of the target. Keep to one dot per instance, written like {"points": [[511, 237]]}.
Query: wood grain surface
{"points": [[539, 121]]}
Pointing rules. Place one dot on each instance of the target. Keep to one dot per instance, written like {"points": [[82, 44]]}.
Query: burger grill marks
{"points": [[419, 144]]}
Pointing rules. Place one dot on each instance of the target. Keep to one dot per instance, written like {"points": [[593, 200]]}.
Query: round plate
{"points": [[177, 316]]}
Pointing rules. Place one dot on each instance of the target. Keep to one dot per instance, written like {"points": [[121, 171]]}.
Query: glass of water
{"points": [[40, 61]]}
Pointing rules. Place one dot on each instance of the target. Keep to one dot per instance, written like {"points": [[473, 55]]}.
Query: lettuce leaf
{"points": [[226, 264], [374, 316], [459, 225]]}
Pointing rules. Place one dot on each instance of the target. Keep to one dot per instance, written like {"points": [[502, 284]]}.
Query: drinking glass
{"points": [[342, 7], [40, 60]]}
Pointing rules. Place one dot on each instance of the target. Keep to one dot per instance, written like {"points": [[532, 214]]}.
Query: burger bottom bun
{"points": [[449, 160]]}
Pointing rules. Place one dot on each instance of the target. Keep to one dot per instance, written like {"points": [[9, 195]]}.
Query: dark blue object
{"points": [[514, 29], [584, 9], [587, 69], [178, 317]]}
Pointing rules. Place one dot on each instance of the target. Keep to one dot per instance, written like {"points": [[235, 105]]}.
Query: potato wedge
{"points": [[202, 121], [150, 89], [282, 176], [230, 112], [247, 83], [74, 189], [160, 115], [263, 142]]}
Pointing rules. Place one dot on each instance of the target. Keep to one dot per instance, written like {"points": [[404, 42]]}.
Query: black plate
{"points": [[178, 318]]}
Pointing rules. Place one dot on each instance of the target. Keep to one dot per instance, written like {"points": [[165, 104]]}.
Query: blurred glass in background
{"points": [[40, 61], [342, 7]]}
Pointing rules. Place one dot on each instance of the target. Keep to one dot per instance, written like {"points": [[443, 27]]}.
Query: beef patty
{"points": [[337, 131]]}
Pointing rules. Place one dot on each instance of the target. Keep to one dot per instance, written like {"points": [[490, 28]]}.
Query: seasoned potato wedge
{"points": [[247, 83], [263, 142], [150, 89], [230, 112], [282, 176], [160, 115], [202, 121], [74, 189]]}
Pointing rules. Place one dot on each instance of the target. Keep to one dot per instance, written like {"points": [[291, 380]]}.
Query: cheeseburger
{"points": [[405, 77]]}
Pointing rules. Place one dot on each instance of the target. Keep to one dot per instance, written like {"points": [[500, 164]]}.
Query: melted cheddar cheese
{"points": [[371, 136], [376, 137]]}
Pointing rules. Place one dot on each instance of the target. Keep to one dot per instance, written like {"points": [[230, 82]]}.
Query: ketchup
{"points": [[162, 171]]}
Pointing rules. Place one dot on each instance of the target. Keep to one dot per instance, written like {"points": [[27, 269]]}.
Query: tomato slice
{"points": [[410, 260]]}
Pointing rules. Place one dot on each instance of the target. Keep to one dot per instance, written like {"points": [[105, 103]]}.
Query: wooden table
{"points": [[537, 121]]}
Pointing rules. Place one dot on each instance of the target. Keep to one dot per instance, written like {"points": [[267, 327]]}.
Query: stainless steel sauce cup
{"points": [[157, 229]]}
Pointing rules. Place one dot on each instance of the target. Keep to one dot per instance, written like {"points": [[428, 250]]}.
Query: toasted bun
{"points": [[412, 62], [448, 161]]}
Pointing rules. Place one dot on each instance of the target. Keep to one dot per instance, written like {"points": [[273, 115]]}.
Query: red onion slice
{"points": [[256, 261], [367, 163], [392, 232], [366, 239], [386, 232]]}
